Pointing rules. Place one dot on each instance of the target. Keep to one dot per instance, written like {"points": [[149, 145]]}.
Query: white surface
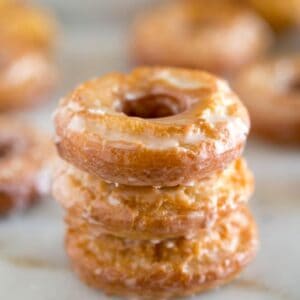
{"points": [[33, 265]]}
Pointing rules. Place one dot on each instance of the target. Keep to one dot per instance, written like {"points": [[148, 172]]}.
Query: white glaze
{"points": [[113, 201], [183, 83], [77, 124], [24, 69]]}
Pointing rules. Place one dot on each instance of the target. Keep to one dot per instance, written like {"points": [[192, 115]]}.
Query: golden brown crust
{"points": [[280, 14], [206, 131], [25, 157], [202, 34], [147, 212], [164, 269], [271, 91], [26, 77]]}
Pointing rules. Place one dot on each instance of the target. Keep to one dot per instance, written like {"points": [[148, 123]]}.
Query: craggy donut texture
{"points": [[148, 212], [214, 35], [26, 77], [280, 14], [271, 91], [25, 157], [153, 127], [164, 269]]}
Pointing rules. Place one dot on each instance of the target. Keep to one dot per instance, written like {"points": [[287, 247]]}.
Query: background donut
{"points": [[25, 159], [208, 35], [280, 14], [271, 90]]}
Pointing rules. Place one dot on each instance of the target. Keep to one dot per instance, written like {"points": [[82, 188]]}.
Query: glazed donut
{"points": [[164, 269], [271, 91], [26, 25], [26, 77], [214, 35], [147, 212], [280, 14], [25, 157], [153, 127]]}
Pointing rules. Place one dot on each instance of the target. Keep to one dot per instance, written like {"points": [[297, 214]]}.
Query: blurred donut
{"points": [[214, 35], [153, 127], [25, 157], [147, 212], [280, 14], [271, 91], [164, 269], [27, 25], [26, 77]]}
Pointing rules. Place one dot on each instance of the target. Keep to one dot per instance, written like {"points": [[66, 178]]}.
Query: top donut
{"points": [[217, 36], [152, 127]]}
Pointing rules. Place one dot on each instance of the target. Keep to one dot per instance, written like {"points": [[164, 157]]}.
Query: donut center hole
{"points": [[5, 149], [153, 106], [295, 85]]}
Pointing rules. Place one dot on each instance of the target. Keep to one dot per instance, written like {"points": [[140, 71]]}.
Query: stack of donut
{"points": [[153, 182]]}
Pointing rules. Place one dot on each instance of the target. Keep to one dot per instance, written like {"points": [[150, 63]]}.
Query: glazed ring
{"points": [[164, 269], [271, 91], [147, 212], [26, 25], [280, 14], [25, 157], [26, 77], [153, 127], [208, 35]]}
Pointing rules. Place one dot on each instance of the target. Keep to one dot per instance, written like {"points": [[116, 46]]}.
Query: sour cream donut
{"points": [[26, 77], [280, 14], [164, 269], [271, 91], [214, 35], [147, 212], [153, 127], [27, 25], [25, 156]]}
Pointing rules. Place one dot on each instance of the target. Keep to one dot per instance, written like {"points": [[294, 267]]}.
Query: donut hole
{"points": [[6, 203], [153, 106], [295, 85], [5, 149], [11, 146]]}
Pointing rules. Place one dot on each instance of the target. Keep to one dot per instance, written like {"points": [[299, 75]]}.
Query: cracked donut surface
{"points": [[148, 212], [152, 127], [164, 269]]}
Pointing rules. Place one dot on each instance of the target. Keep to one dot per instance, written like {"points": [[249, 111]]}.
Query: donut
{"points": [[214, 35], [26, 77], [271, 90], [27, 25], [25, 160], [161, 269], [152, 127], [147, 212], [280, 14]]}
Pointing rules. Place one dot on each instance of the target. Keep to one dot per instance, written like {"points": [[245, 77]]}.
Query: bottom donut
{"points": [[168, 268]]}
